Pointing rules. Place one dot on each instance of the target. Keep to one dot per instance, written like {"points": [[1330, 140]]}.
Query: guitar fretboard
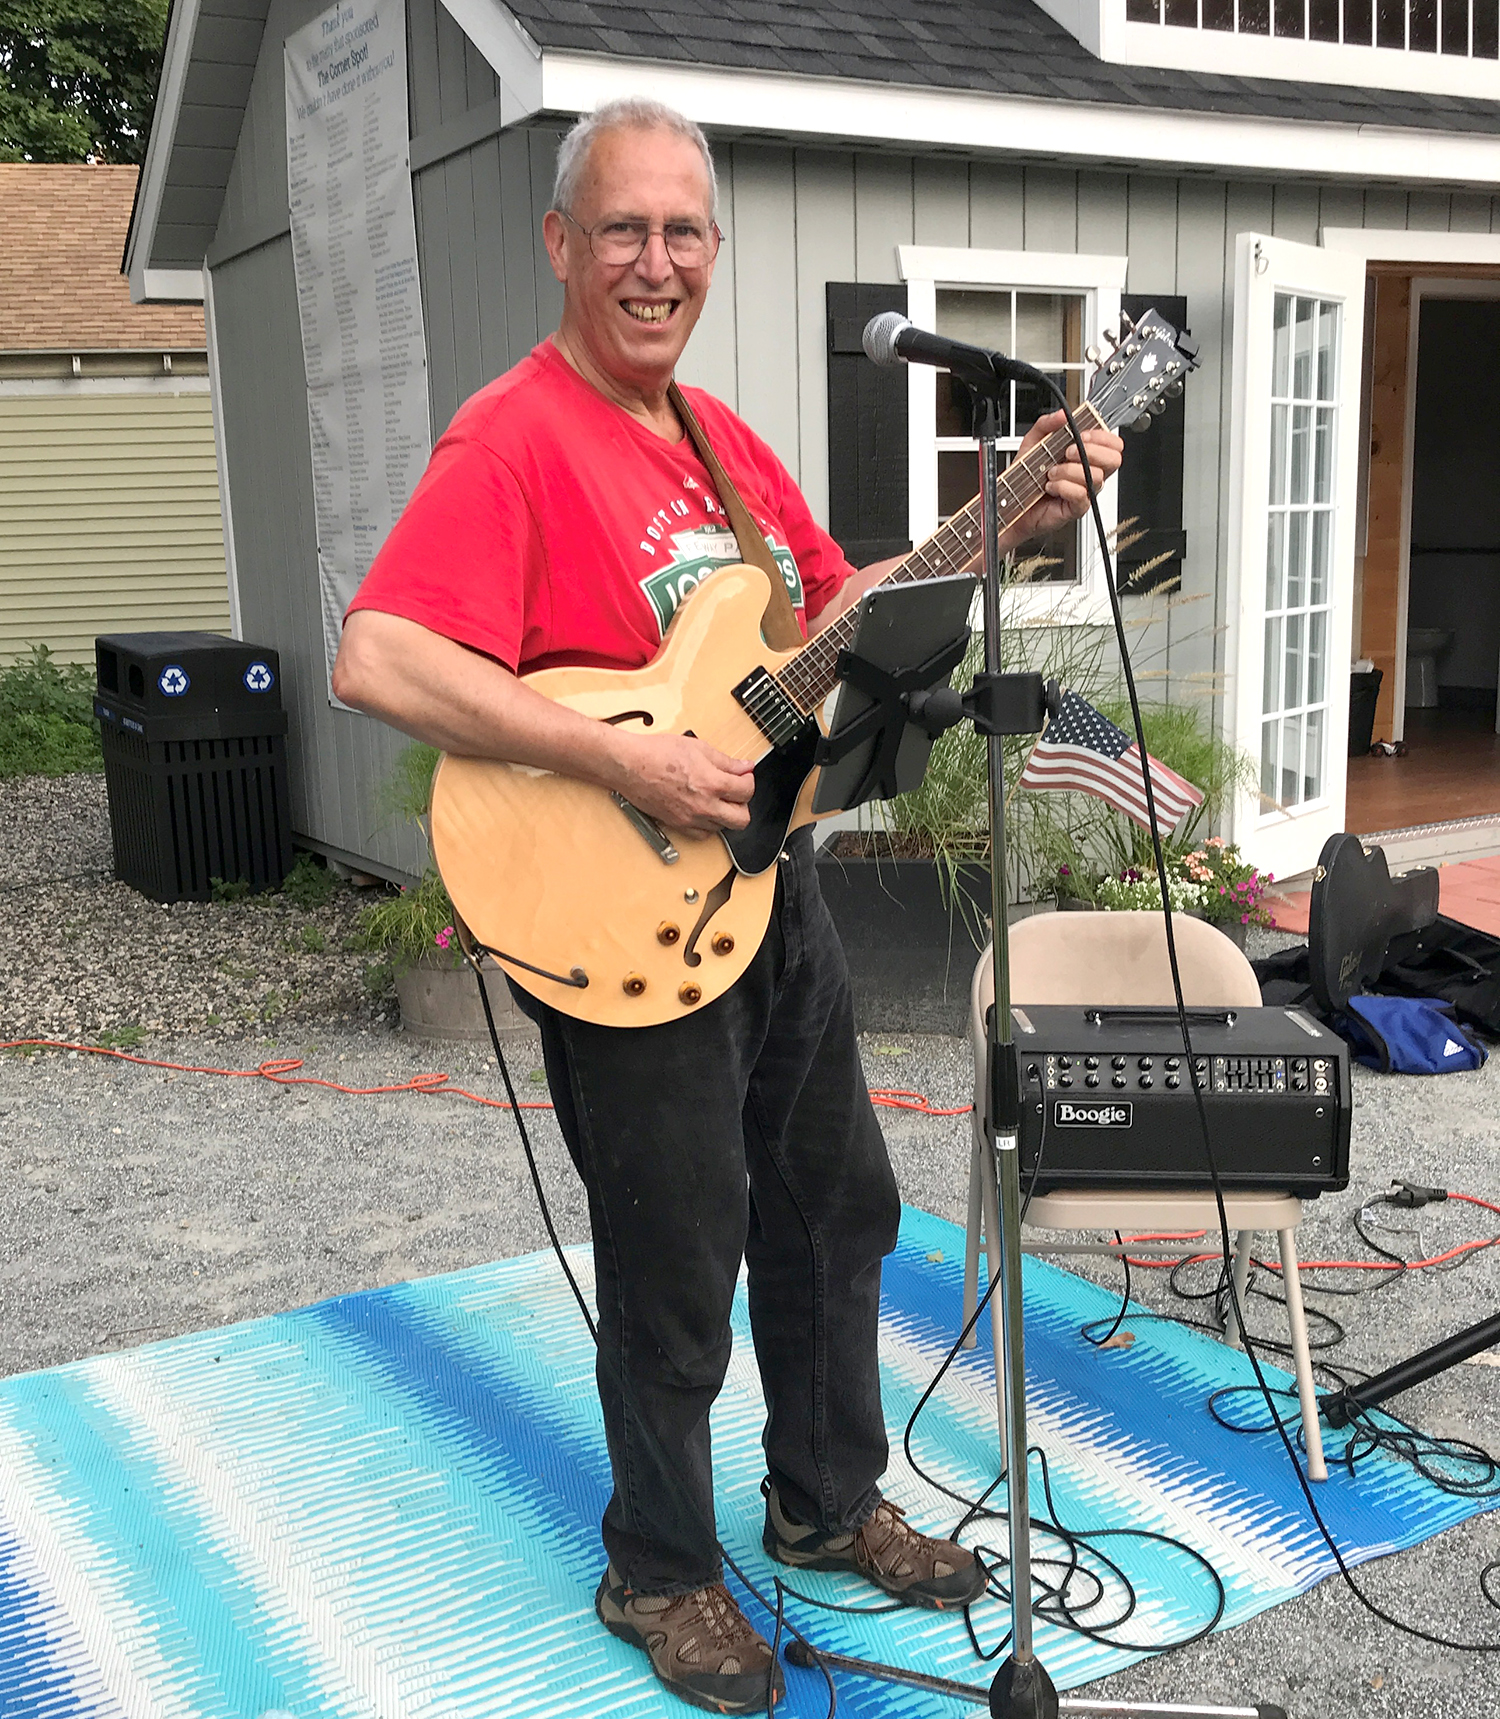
{"points": [[810, 676]]}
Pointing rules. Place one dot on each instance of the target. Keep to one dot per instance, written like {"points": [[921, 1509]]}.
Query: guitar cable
{"points": [[777, 1609]]}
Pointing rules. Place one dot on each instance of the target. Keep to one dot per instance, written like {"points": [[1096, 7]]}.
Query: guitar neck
{"points": [[811, 675]]}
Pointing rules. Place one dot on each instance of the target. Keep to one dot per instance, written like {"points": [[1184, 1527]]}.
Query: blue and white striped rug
{"points": [[387, 1504]]}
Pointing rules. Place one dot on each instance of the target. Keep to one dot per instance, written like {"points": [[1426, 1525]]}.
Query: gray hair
{"points": [[638, 112]]}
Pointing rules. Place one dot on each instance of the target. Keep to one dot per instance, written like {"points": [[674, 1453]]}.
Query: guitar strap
{"points": [[779, 622]]}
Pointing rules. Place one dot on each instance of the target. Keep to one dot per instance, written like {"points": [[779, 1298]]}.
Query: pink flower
{"points": [[444, 937]]}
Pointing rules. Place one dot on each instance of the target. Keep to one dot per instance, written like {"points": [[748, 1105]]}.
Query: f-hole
{"points": [[712, 902], [644, 717]]}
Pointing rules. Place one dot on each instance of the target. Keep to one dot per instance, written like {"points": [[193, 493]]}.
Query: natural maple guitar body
{"points": [[553, 871]]}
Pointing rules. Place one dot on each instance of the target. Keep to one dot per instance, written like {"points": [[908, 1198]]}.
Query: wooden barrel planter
{"points": [[442, 1002]]}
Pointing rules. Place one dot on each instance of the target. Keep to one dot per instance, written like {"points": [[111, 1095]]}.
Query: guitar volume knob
{"points": [[667, 932], [723, 944], [633, 984], [689, 994]]}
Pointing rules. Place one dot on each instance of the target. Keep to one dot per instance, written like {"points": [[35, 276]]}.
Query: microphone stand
{"points": [[1000, 704], [1022, 1688]]}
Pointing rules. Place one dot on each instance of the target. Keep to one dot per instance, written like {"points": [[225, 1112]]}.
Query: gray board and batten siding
{"points": [[795, 219]]}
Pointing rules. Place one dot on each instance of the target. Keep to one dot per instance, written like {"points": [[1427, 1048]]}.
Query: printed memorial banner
{"points": [[354, 247]]}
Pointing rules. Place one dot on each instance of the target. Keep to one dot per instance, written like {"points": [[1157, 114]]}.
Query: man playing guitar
{"points": [[563, 517]]}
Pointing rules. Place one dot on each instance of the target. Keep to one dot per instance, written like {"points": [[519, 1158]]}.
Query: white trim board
{"points": [[514, 58], [1406, 245], [952, 265], [781, 104], [176, 58], [60, 386], [221, 455]]}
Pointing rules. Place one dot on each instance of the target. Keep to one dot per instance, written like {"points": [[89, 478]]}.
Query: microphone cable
{"points": [[1198, 1090]]}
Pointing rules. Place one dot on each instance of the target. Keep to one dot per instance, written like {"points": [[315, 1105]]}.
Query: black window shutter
{"points": [[867, 446], [1151, 479]]}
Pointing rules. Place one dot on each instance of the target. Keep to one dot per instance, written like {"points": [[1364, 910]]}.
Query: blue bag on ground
{"points": [[1408, 1035]]}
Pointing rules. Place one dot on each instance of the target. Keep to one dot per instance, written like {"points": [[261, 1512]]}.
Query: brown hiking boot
{"points": [[886, 1550], [701, 1645]]}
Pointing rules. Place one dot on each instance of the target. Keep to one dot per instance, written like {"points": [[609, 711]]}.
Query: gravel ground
{"points": [[139, 1203], [82, 955]]}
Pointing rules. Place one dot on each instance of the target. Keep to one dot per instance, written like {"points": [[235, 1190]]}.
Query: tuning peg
{"points": [[1127, 322], [1174, 390], [1092, 353], [1112, 337], [1156, 408], [1143, 422]]}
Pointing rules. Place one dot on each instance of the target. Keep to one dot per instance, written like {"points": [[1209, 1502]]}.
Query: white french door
{"points": [[1298, 323]]}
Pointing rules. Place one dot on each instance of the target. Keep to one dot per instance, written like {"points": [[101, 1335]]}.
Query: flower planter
{"points": [[442, 1002], [911, 955]]}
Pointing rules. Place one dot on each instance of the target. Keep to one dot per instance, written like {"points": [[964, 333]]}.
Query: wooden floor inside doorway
{"points": [[1451, 770]]}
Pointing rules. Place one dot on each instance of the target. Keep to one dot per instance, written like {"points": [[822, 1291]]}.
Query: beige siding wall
{"points": [[109, 518]]}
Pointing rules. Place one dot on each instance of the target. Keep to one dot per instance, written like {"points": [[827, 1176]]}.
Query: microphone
{"points": [[891, 338]]}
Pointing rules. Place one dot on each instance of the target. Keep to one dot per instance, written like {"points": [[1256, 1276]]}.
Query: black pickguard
{"points": [[778, 781]]}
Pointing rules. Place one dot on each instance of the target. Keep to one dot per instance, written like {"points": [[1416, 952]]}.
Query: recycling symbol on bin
{"points": [[174, 681], [258, 677]]}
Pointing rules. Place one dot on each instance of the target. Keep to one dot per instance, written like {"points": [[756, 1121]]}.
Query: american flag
{"points": [[1081, 749]]}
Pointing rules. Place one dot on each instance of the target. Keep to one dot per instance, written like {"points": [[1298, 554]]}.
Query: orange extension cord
{"points": [[1324, 1264], [282, 1071]]}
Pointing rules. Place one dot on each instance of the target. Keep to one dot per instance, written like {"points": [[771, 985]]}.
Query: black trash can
{"points": [[194, 738], [1364, 689]]}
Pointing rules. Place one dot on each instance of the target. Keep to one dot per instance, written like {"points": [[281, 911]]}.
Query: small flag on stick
{"points": [[1079, 748]]}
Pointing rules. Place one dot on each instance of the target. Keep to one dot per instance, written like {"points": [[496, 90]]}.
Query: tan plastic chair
{"points": [[1121, 959]]}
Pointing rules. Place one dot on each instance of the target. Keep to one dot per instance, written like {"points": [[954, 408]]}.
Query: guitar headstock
{"points": [[1144, 369]]}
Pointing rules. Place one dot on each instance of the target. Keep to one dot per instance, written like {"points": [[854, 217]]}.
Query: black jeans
{"points": [[745, 1131]]}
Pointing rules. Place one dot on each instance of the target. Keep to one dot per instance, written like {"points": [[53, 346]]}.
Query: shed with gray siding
{"points": [[803, 207]]}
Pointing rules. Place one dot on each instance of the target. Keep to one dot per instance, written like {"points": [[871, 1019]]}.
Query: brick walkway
{"points": [[1469, 892]]}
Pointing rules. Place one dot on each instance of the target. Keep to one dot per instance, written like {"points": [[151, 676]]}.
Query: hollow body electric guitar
{"points": [[596, 909]]}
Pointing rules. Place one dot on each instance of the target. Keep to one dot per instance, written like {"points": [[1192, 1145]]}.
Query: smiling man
{"points": [[564, 516]]}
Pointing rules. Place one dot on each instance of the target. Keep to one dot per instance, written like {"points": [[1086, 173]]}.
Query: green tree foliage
{"points": [[78, 78]]}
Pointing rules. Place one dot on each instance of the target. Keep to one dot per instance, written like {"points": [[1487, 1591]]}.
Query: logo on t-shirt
{"points": [[700, 551]]}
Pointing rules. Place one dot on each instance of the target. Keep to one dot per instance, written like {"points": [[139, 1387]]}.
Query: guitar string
{"points": [[809, 677]]}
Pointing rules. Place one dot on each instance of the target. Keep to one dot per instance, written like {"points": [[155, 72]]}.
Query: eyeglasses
{"points": [[689, 244]]}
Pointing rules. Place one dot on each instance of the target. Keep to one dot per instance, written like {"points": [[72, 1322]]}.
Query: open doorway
{"points": [[1430, 592]]}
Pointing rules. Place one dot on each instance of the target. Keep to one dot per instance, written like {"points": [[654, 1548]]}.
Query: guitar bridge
{"points": [[770, 707]]}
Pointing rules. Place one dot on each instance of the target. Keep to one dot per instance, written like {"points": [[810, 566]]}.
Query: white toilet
{"points": [[1424, 645]]}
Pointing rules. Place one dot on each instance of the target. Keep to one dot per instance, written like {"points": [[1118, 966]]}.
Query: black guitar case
{"points": [[1359, 920], [1357, 908], [1452, 962]]}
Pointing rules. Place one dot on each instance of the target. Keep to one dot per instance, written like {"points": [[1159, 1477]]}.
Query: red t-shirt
{"points": [[553, 527]]}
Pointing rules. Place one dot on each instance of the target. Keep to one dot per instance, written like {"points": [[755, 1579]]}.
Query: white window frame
{"points": [[1100, 280], [1104, 29]]}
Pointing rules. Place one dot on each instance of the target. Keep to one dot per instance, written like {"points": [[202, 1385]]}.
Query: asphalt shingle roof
{"points": [[994, 47], [61, 290]]}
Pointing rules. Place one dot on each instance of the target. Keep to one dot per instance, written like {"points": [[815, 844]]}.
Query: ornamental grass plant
{"points": [[410, 925], [1067, 845]]}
